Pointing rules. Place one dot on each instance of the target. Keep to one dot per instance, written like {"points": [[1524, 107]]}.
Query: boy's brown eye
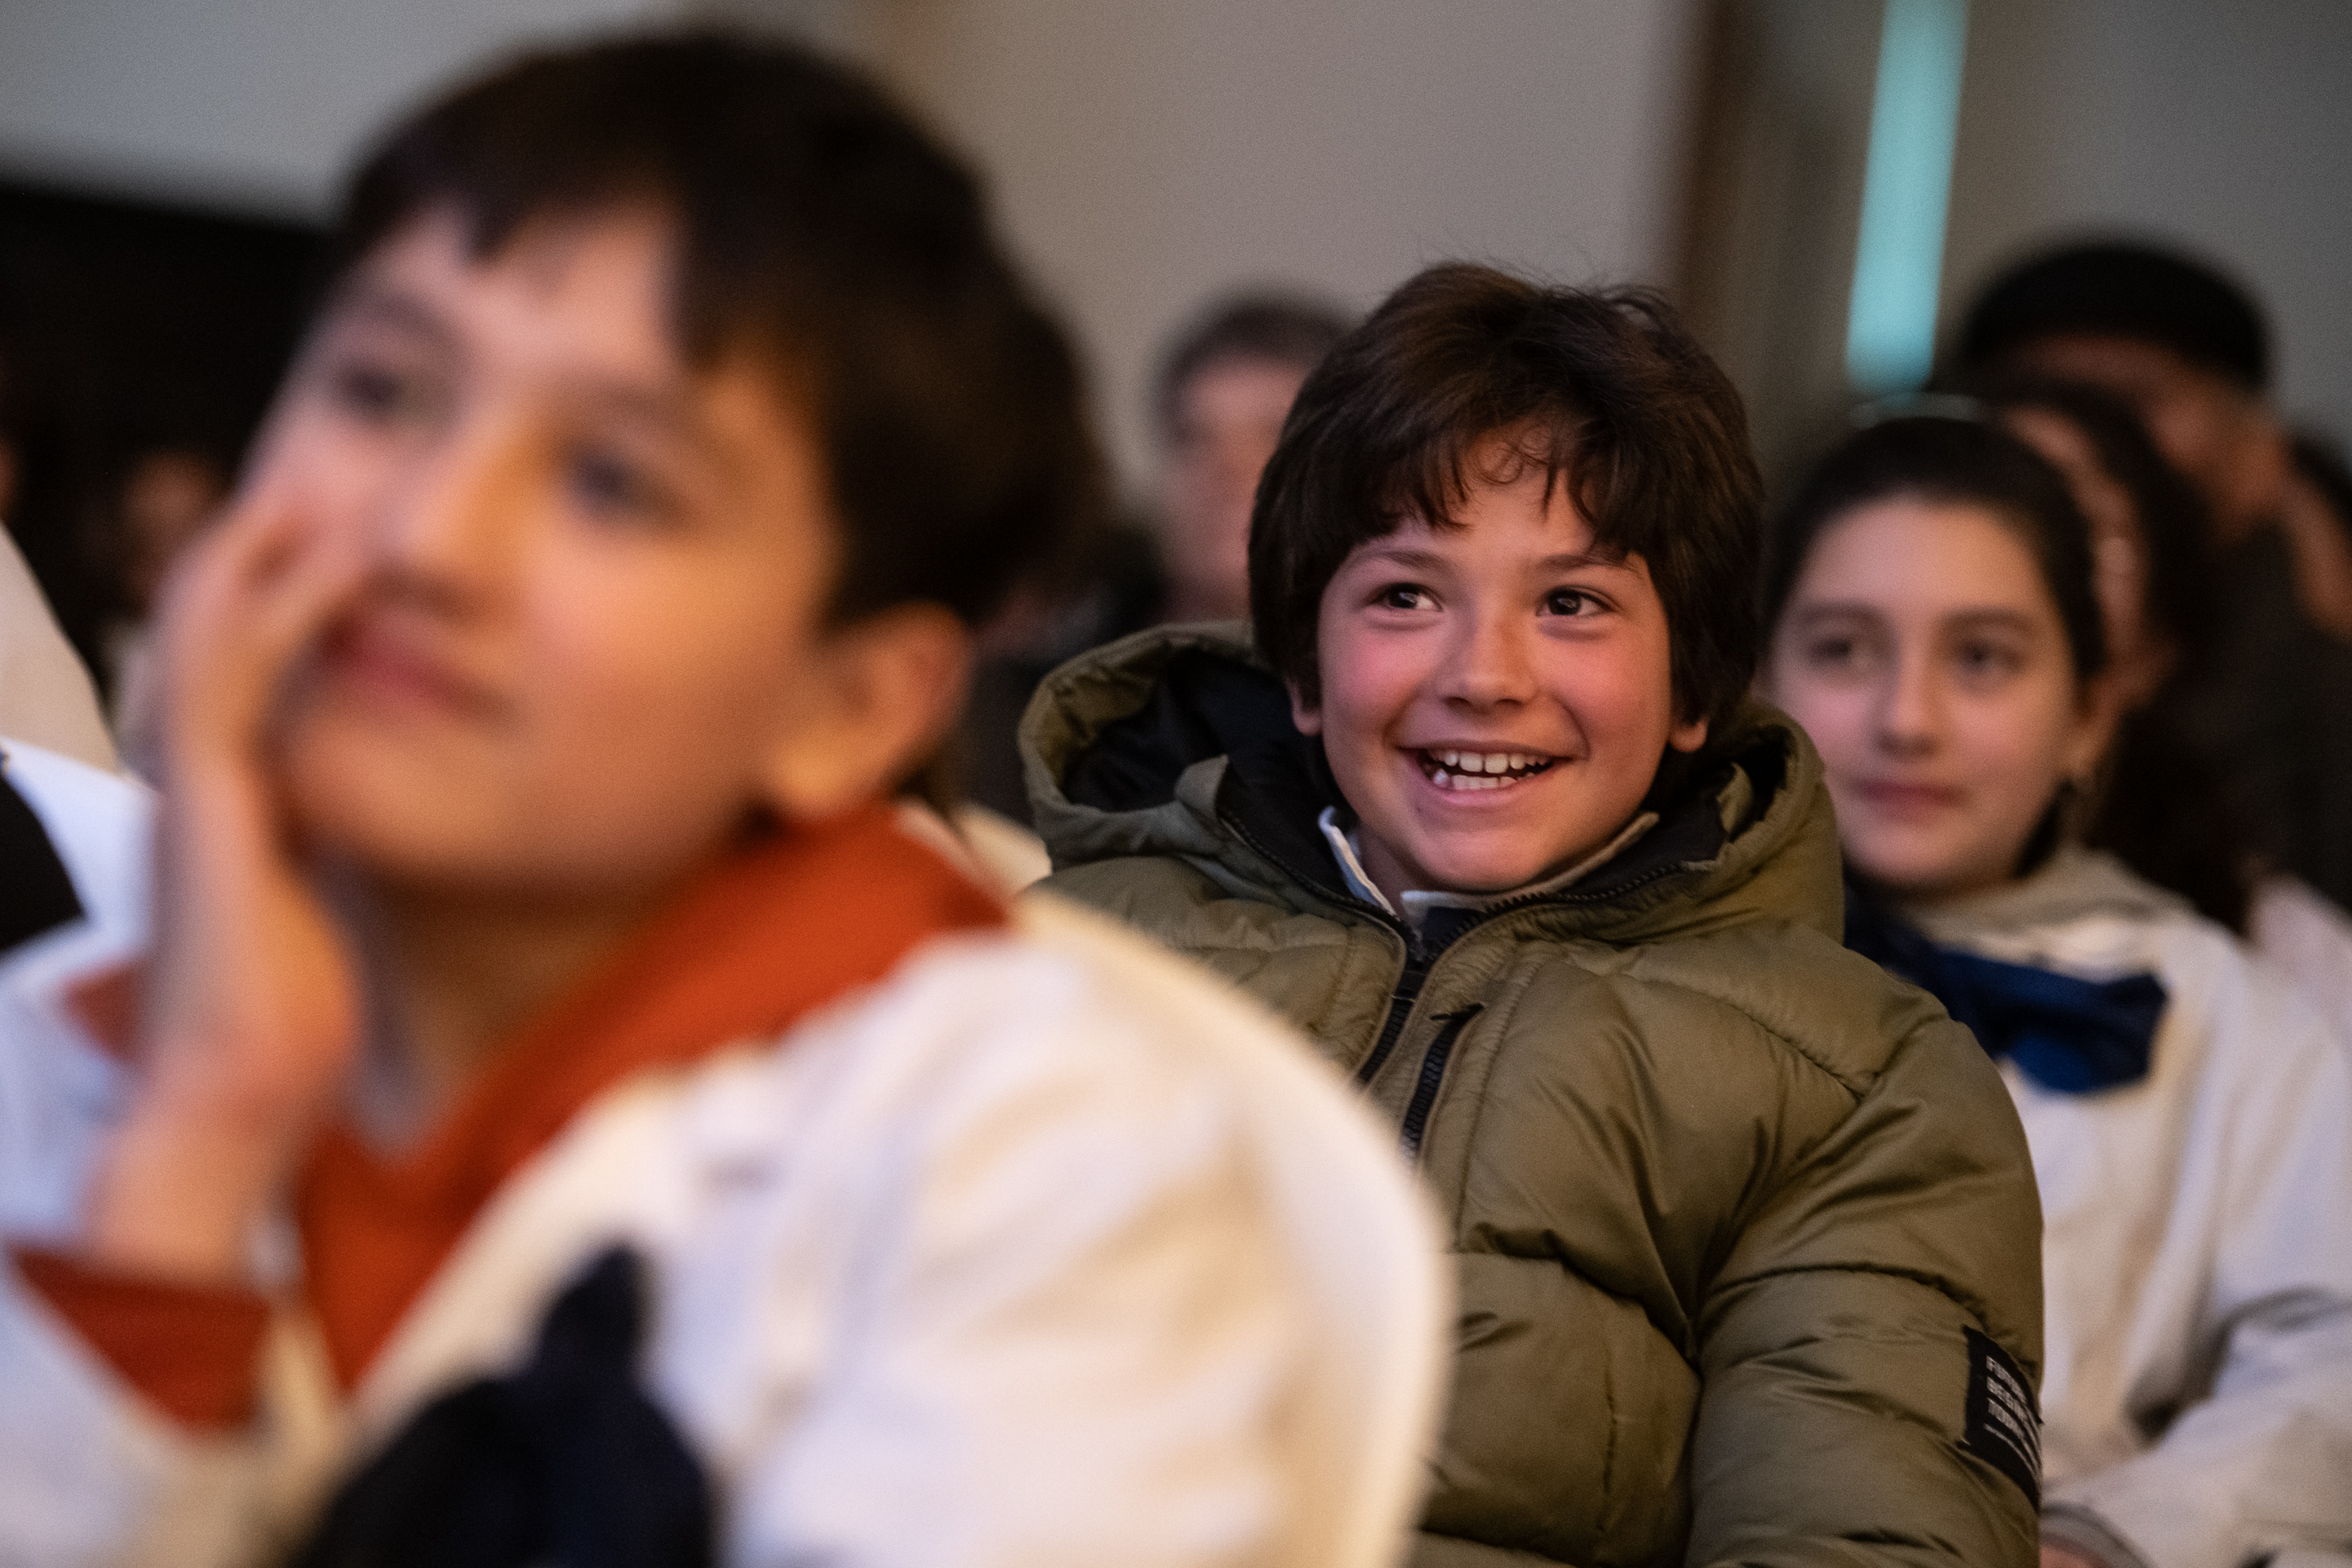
{"points": [[1402, 596], [609, 485], [1571, 602], [379, 393]]}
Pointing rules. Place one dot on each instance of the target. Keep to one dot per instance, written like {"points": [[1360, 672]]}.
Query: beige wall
{"points": [[259, 104], [1146, 152], [1149, 153]]}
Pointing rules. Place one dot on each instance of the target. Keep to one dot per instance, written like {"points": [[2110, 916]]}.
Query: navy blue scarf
{"points": [[2073, 1035]]}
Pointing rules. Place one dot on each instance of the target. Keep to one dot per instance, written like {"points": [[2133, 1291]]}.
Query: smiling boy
{"points": [[560, 1110], [1746, 1231]]}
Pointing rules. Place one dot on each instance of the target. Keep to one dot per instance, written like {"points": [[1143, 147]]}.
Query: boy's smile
{"points": [[1495, 696]]}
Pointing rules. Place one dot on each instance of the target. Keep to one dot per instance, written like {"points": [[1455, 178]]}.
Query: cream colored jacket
{"points": [[2197, 1242], [1043, 1251]]}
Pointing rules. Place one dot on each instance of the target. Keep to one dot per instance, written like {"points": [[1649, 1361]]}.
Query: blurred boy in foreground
{"points": [[565, 1115]]}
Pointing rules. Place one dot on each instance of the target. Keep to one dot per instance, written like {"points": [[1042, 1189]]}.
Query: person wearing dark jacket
{"points": [[1746, 1230]]}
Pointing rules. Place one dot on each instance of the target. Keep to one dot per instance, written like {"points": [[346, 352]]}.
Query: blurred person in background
{"points": [[2188, 349], [2317, 510], [1223, 388], [2160, 806], [554, 1106], [157, 504], [1223, 392], [1936, 628]]}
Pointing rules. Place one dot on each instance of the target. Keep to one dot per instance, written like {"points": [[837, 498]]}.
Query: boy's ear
{"points": [[1688, 735], [879, 697], [1307, 716]]}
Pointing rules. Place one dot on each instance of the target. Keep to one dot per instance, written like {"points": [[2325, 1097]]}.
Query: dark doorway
{"points": [[128, 328]]}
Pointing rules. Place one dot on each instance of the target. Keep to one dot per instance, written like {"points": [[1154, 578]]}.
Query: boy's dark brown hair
{"points": [[817, 226], [1604, 390]]}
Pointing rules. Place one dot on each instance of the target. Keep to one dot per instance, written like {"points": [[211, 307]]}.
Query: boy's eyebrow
{"points": [[669, 409], [378, 304], [1416, 559], [1406, 556]]}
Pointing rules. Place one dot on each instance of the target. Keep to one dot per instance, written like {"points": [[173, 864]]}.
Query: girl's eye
{"points": [[1571, 602], [1402, 596], [1838, 653], [609, 485], [1983, 661]]}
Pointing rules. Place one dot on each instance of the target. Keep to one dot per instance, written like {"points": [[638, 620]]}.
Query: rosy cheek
{"points": [[1838, 726]]}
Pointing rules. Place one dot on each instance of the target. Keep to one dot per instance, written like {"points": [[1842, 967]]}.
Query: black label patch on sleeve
{"points": [[2003, 1423]]}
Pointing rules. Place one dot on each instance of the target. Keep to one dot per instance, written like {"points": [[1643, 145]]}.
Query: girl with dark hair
{"points": [[1936, 626]]}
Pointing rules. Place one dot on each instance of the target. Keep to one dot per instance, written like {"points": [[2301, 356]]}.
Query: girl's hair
{"points": [[2175, 530], [1958, 461]]}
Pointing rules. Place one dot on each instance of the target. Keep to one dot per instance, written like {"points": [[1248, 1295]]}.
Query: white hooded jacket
{"points": [[2197, 1249], [1043, 1251]]}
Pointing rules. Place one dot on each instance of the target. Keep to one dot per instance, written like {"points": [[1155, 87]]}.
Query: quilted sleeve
{"points": [[1870, 1347]]}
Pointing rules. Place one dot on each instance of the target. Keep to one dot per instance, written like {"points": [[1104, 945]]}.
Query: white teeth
{"points": [[1482, 769]]}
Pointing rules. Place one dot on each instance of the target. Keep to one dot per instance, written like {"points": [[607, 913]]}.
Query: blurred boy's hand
{"points": [[249, 1017]]}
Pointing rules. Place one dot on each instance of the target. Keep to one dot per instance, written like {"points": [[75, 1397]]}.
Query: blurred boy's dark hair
{"points": [[1604, 390], [2123, 289], [1284, 328], [819, 230]]}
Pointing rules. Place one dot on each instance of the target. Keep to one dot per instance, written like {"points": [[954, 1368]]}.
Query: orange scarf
{"points": [[760, 941]]}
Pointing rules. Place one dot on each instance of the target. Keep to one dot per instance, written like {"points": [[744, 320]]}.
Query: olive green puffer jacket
{"points": [[1740, 1221]]}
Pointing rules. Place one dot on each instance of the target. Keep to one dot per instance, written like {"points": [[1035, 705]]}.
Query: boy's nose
{"points": [[450, 520], [1490, 664]]}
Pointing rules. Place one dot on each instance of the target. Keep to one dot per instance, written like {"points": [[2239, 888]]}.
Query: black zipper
{"points": [[1433, 1074], [1401, 1001], [1417, 970]]}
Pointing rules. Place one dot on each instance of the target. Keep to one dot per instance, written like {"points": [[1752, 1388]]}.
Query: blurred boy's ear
{"points": [[881, 694]]}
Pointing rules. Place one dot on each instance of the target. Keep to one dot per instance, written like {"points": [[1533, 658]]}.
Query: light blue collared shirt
{"points": [[1418, 903]]}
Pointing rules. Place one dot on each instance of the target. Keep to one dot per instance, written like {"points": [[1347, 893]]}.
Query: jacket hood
{"points": [[1178, 741], [2073, 884]]}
